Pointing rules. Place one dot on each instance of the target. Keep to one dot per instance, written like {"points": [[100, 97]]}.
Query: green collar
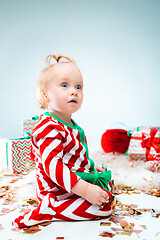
{"points": [[61, 121]]}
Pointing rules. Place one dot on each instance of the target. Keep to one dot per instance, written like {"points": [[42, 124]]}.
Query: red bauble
{"points": [[115, 140]]}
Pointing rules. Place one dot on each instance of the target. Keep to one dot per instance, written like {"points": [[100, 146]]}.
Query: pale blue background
{"points": [[116, 44]]}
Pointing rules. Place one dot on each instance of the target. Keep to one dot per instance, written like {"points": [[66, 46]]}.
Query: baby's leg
{"points": [[68, 209]]}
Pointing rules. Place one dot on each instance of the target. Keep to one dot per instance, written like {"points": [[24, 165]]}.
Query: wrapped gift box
{"points": [[146, 128], [28, 125], [153, 166], [17, 155], [145, 144]]}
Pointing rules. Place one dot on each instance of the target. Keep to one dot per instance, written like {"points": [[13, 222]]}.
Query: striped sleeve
{"points": [[49, 142]]}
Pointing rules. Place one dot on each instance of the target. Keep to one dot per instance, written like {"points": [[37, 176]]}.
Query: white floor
{"points": [[90, 230], [85, 230]]}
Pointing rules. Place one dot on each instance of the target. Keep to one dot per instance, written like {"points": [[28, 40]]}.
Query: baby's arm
{"points": [[92, 193], [49, 143]]}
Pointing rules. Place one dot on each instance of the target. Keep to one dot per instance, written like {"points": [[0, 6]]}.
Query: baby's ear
{"points": [[45, 97], [44, 94]]}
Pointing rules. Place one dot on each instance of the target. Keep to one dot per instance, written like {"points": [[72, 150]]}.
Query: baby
{"points": [[69, 186]]}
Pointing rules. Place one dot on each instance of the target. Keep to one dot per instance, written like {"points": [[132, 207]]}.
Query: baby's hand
{"points": [[92, 193], [95, 195], [99, 169]]}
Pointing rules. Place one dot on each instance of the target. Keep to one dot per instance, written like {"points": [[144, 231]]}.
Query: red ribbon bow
{"points": [[151, 141]]}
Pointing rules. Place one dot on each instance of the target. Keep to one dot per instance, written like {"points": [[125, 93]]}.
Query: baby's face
{"points": [[65, 90]]}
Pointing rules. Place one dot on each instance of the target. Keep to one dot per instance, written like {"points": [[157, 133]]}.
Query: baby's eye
{"points": [[64, 85], [78, 87]]}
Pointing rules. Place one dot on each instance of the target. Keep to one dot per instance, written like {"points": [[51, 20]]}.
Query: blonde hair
{"points": [[45, 74]]}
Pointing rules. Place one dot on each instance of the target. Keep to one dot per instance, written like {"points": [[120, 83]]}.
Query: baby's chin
{"points": [[72, 108], [73, 111]]}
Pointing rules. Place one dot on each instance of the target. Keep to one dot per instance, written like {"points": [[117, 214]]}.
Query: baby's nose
{"points": [[73, 91]]}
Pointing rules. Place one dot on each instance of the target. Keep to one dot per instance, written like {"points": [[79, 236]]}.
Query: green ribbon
{"points": [[98, 178], [129, 133], [35, 118]]}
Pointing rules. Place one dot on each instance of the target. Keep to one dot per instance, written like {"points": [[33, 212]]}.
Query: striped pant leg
{"points": [[68, 209]]}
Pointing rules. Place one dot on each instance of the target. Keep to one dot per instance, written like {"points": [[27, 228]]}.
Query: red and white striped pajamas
{"points": [[60, 151]]}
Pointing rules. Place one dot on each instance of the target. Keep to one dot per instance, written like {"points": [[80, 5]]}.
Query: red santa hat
{"points": [[115, 138]]}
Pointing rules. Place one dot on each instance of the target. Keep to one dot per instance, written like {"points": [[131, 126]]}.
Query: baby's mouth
{"points": [[73, 101]]}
